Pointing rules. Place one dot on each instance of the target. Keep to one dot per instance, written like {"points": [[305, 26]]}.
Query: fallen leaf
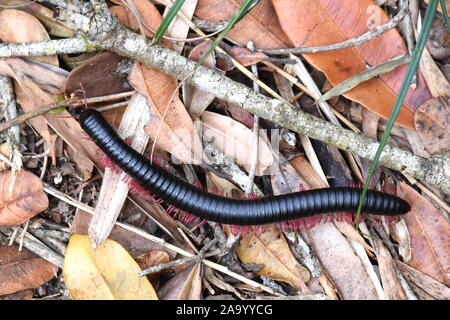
{"points": [[152, 258], [245, 56], [41, 85], [236, 140], [197, 100], [21, 197], [260, 24], [430, 235], [239, 114], [307, 172], [185, 285], [432, 124], [424, 283], [21, 270], [21, 27], [19, 295], [271, 250], [108, 273], [320, 22]]}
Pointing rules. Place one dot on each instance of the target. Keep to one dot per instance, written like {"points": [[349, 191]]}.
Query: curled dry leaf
{"points": [[21, 197], [236, 140], [20, 270], [430, 235], [271, 250], [432, 124], [108, 273]]}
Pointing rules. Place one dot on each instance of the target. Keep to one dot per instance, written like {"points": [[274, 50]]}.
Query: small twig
{"points": [[202, 254], [36, 246], [392, 23]]}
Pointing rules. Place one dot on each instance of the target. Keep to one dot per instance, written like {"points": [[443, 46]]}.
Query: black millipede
{"points": [[231, 211]]}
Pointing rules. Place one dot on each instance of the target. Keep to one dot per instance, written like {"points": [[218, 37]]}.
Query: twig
{"points": [[9, 110], [392, 23]]}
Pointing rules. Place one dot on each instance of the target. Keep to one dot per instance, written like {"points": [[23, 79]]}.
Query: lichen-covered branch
{"points": [[101, 28]]}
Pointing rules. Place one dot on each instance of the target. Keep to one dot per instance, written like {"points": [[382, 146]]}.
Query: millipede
{"points": [[241, 212]]}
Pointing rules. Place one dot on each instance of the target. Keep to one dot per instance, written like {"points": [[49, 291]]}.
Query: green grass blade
{"points": [[167, 21], [445, 14], [428, 19], [243, 10]]}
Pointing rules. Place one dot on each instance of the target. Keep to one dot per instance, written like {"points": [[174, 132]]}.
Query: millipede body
{"points": [[225, 210]]}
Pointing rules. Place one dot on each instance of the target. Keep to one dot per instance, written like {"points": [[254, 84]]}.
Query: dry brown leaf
{"points": [[307, 172], [20, 270], [323, 22], [432, 124], [271, 250], [41, 84], [236, 140], [152, 258], [287, 180], [21, 27], [133, 243], [424, 285], [185, 285], [103, 74], [21, 197], [170, 126], [341, 263], [430, 235]]}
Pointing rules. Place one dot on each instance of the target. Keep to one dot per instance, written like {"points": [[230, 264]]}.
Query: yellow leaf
{"points": [[271, 250], [108, 273]]}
